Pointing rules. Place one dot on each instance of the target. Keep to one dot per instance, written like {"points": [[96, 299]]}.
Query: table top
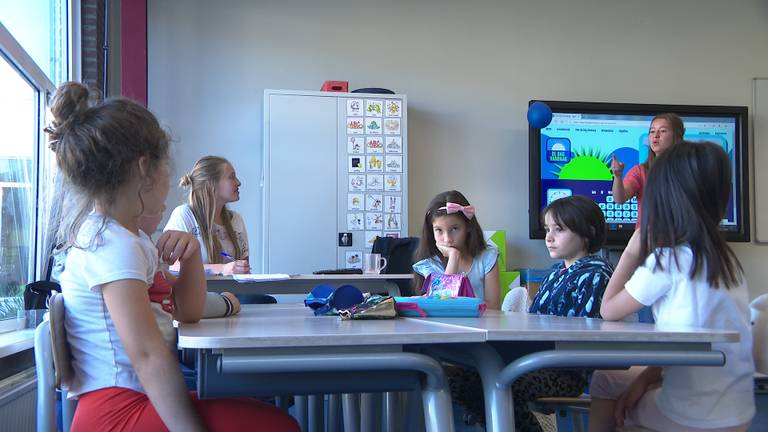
{"points": [[293, 325], [510, 326]]}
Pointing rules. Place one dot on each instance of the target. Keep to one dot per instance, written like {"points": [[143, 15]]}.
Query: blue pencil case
{"points": [[422, 307]]}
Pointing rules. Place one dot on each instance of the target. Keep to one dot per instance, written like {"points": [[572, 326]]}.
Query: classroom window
{"points": [[40, 27], [17, 198], [33, 57]]}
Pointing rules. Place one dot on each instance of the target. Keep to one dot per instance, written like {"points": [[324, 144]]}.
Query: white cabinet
{"points": [[335, 176]]}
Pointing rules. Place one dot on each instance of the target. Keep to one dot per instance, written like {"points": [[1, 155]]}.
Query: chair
{"points": [[53, 367], [516, 300], [759, 310]]}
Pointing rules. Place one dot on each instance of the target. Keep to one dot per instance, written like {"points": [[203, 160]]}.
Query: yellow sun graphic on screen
{"points": [[586, 164]]}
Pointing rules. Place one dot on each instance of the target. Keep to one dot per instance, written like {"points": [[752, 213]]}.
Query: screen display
{"points": [[576, 148]]}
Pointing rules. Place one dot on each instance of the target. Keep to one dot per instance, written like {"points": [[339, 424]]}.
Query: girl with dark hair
{"points": [[452, 242], [679, 263], [115, 154], [576, 230], [665, 131]]}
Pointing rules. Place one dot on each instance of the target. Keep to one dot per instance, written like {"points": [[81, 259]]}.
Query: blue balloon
{"points": [[539, 115]]}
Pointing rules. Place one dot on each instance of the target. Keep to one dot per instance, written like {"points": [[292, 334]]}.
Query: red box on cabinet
{"points": [[335, 86]]}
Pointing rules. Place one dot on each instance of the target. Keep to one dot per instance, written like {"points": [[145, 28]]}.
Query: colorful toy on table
{"points": [[447, 285]]}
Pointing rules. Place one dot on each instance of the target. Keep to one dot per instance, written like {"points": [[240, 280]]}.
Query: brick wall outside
{"points": [[92, 21]]}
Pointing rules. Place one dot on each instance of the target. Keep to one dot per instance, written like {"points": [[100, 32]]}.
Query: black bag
{"points": [[36, 293], [399, 254]]}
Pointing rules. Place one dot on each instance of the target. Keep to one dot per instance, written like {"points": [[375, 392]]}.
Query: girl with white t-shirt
{"points": [[213, 184], [115, 154], [679, 264]]}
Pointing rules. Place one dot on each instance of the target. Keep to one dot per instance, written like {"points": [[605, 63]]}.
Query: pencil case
{"points": [[422, 307]]}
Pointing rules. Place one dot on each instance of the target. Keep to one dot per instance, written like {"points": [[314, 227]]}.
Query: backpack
{"points": [[399, 254]]}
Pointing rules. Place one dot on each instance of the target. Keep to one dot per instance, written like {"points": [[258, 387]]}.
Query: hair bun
{"points": [[185, 181], [68, 106]]}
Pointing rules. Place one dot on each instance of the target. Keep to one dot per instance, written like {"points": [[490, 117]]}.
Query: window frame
{"points": [[18, 58]]}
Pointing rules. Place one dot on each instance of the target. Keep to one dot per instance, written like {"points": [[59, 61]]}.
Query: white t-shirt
{"points": [[182, 219], [99, 358], [701, 397]]}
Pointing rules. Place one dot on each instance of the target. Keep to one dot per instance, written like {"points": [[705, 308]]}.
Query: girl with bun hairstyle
{"points": [[115, 155]]}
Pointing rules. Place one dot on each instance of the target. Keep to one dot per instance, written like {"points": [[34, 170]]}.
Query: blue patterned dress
{"points": [[574, 291]]}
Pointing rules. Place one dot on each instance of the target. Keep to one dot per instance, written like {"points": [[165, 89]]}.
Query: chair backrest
{"points": [[399, 254], [645, 315], [62, 357], [54, 368], [516, 300], [759, 310], [46, 381]]}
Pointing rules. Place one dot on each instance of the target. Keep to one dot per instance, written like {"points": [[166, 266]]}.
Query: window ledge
{"points": [[16, 341]]}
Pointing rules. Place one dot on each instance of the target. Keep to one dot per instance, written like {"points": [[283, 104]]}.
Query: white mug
{"points": [[373, 263]]}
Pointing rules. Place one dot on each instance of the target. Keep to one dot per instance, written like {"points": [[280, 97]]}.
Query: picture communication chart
{"points": [[335, 177], [373, 177], [577, 149]]}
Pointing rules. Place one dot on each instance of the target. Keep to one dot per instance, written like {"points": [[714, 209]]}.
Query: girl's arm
{"points": [[647, 380], [157, 368], [230, 268], [217, 305], [621, 190], [190, 288], [617, 302], [453, 266], [492, 295]]}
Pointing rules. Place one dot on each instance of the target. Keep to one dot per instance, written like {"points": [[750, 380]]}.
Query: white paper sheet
{"points": [[260, 277]]}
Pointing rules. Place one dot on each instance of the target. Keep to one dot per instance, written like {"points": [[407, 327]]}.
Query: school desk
{"points": [[284, 349], [519, 343], [303, 284]]}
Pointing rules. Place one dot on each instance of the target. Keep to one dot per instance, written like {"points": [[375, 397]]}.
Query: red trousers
{"points": [[121, 409]]}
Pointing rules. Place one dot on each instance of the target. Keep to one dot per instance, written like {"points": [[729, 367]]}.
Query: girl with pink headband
{"points": [[452, 242]]}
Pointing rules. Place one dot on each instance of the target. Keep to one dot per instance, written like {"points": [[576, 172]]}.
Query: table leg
{"points": [[392, 408], [499, 406], [282, 402], [335, 422], [316, 415], [351, 409], [370, 412], [607, 358], [301, 407], [436, 395]]}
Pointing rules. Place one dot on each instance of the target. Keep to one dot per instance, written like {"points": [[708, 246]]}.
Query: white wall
{"points": [[468, 69]]}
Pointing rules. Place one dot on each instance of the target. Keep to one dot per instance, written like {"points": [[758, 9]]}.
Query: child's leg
{"points": [[543, 383], [606, 387], [240, 414], [117, 408], [601, 415], [466, 390], [648, 415]]}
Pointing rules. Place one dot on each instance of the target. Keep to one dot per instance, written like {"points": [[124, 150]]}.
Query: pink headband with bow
{"points": [[451, 208]]}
